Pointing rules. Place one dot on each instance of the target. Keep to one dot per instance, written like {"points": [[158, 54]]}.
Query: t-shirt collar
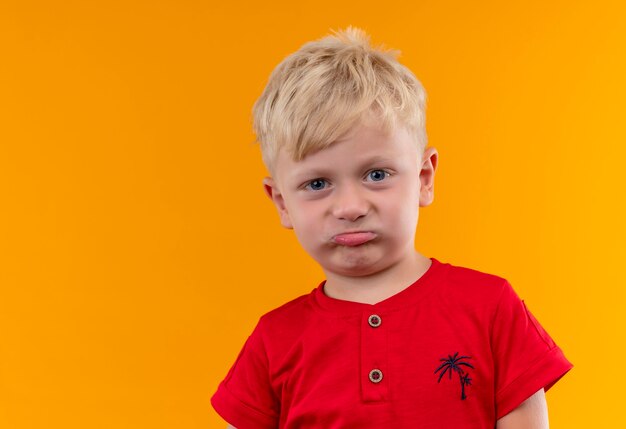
{"points": [[409, 296]]}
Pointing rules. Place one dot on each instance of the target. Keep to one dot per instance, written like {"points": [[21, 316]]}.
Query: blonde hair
{"points": [[318, 93]]}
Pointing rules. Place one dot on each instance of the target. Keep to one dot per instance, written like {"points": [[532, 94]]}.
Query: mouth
{"points": [[352, 239]]}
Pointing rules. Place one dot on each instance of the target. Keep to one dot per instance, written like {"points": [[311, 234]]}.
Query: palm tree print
{"points": [[453, 364]]}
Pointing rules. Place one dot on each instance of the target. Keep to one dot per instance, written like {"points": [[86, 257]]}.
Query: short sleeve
{"points": [[526, 358], [245, 398]]}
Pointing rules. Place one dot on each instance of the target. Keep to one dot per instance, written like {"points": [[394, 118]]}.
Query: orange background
{"points": [[137, 249]]}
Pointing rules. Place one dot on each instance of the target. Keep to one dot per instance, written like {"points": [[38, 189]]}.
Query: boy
{"points": [[391, 338]]}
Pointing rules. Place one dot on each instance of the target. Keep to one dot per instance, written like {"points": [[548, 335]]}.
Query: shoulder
{"points": [[473, 282], [288, 316], [473, 291], [278, 330], [290, 308]]}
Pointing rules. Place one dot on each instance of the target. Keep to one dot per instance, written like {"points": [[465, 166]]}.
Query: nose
{"points": [[350, 203]]}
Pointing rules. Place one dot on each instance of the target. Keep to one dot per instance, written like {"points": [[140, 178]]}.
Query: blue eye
{"points": [[378, 175], [314, 184]]}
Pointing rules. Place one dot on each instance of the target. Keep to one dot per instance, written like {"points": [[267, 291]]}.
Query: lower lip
{"points": [[354, 238]]}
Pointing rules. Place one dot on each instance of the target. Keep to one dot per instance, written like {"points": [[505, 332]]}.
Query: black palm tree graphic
{"points": [[465, 381], [453, 364]]}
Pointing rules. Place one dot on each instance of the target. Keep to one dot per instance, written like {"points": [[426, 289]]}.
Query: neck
{"points": [[378, 286]]}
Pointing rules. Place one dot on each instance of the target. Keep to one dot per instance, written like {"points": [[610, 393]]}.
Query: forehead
{"points": [[363, 145]]}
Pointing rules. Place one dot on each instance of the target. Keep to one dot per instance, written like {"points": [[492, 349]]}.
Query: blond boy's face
{"points": [[367, 184]]}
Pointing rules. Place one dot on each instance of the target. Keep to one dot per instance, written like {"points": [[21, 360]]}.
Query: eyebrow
{"points": [[325, 171]]}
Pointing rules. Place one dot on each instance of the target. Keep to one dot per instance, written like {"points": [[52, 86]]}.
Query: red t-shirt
{"points": [[456, 349]]}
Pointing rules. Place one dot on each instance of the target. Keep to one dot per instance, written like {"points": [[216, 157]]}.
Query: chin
{"points": [[356, 267]]}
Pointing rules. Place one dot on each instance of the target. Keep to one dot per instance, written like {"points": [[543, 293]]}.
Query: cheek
{"points": [[307, 217], [404, 215], [404, 209]]}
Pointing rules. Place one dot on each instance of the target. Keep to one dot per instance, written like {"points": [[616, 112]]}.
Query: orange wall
{"points": [[137, 249]]}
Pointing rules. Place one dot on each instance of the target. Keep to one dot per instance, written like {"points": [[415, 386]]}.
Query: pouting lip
{"points": [[343, 239], [351, 232]]}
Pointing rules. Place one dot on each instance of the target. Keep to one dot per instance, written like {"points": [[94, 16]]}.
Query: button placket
{"points": [[374, 353]]}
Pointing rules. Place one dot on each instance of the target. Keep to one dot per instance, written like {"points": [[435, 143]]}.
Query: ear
{"points": [[427, 176], [272, 191]]}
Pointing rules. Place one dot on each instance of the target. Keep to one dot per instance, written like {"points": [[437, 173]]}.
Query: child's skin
{"points": [[342, 189], [339, 189]]}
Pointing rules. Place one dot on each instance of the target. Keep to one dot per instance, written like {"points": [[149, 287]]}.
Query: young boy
{"points": [[391, 338]]}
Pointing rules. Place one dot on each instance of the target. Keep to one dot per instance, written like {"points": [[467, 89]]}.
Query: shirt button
{"points": [[376, 375], [374, 321]]}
